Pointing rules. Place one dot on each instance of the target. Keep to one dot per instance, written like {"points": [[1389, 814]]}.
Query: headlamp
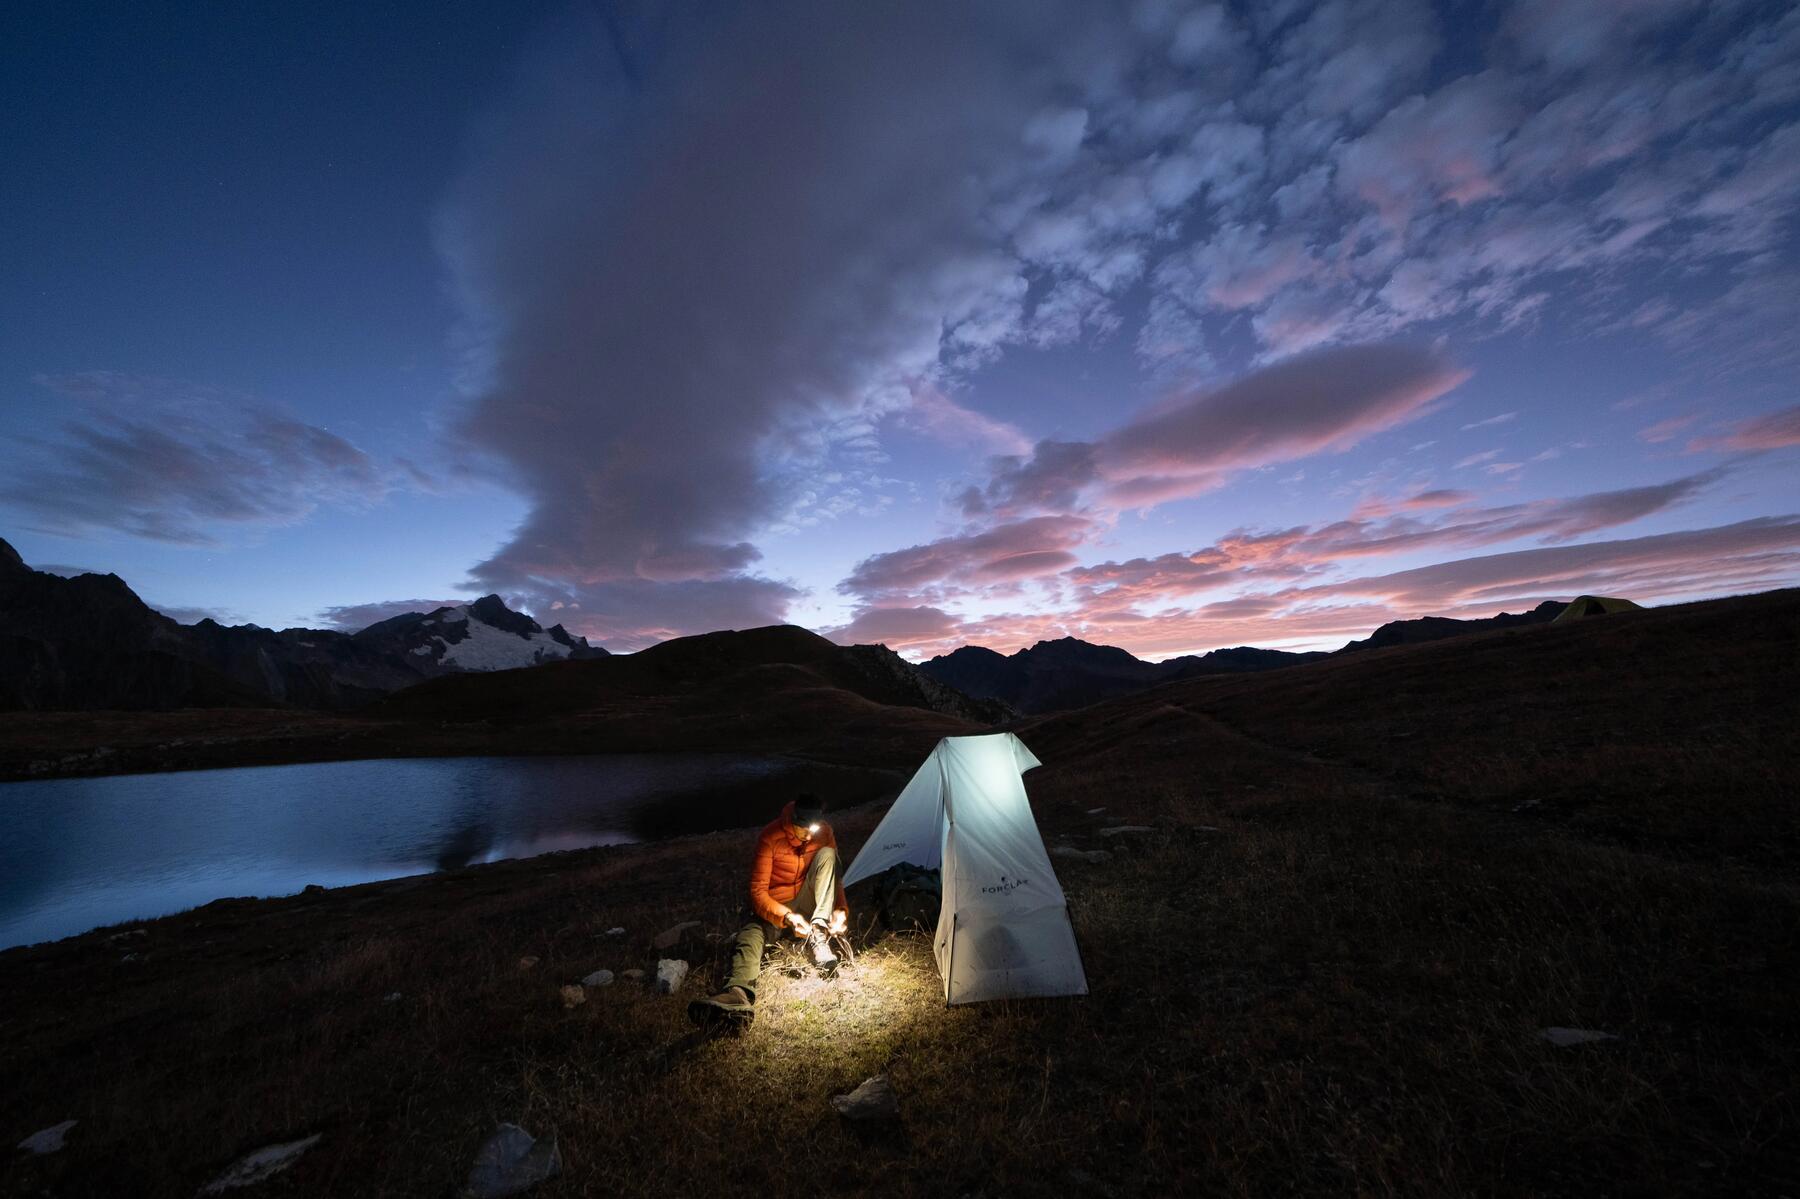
{"points": [[812, 828]]}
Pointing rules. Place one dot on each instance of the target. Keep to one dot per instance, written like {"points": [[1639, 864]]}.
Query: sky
{"points": [[1165, 325]]}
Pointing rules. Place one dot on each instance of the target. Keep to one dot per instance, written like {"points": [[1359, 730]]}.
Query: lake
{"points": [[79, 853]]}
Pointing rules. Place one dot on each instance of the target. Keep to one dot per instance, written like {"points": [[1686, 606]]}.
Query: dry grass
{"points": [[1309, 979]]}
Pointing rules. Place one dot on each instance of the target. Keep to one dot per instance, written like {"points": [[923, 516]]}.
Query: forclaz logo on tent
{"points": [[1005, 886]]}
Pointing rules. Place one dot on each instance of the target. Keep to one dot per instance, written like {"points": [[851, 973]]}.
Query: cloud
{"points": [[896, 628], [1748, 555], [933, 414], [353, 618], [1501, 419], [1326, 400], [178, 463], [1007, 552], [1774, 431], [682, 282], [1665, 430]]}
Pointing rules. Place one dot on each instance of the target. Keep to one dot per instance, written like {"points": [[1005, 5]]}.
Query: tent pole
{"points": [[955, 914], [950, 966]]}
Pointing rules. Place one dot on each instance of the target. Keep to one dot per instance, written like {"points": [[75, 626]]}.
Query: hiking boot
{"points": [[733, 1003], [818, 943]]}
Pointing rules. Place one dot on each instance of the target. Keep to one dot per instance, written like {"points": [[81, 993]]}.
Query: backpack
{"points": [[907, 898]]}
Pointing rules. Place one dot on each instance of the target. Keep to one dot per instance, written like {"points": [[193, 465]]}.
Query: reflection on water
{"points": [[78, 853]]}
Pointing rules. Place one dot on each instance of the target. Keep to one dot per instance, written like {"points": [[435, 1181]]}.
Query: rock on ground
{"points": [[1562, 1038], [631, 976], [1080, 855], [264, 1163], [573, 996], [1119, 830], [527, 962], [668, 938], [511, 1161], [669, 975], [599, 978], [47, 1140], [614, 932], [872, 1100]]}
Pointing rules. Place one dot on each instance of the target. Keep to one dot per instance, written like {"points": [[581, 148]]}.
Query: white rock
{"points": [[1095, 811], [264, 1163], [614, 932], [669, 975], [599, 978], [1119, 830], [872, 1100], [1080, 855], [47, 1140], [392, 997], [668, 938], [511, 1161], [1565, 1037]]}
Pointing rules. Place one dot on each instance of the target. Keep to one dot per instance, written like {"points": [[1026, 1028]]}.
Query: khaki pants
{"points": [[813, 901]]}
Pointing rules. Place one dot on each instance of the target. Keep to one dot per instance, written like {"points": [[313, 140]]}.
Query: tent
{"points": [[1583, 606], [1003, 930]]}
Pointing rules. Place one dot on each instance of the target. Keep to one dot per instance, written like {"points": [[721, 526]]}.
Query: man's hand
{"points": [[798, 923], [840, 920]]}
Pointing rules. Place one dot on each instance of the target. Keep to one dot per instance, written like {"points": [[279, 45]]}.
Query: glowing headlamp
{"points": [[812, 828]]}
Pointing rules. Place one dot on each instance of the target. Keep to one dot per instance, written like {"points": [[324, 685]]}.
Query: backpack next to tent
{"points": [[1583, 606], [1003, 928]]}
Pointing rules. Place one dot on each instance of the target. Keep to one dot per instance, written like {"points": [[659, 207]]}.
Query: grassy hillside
{"points": [[1325, 971]]}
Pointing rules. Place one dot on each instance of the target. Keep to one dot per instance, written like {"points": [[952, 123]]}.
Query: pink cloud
{"points": [[1776, 430], [935, 415], [896, 628], [1749, 554], [1665, 430], [1011, 551], [1443, 497], [1326, 400]]}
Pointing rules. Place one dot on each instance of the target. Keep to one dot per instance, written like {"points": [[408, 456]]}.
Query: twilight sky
{"points": [[1166, 325]]}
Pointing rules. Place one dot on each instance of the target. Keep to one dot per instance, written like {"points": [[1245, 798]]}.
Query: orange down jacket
{"points": [[781, 863]]}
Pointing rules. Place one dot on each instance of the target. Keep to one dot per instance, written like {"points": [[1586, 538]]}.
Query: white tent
{"points": [[1003, 931]]}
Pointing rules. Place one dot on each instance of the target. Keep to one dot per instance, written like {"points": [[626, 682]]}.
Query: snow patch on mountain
{"points": [[488, 648]]}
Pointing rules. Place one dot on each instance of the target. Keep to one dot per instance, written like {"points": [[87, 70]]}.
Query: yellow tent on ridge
{"points": [[1583, 606]]}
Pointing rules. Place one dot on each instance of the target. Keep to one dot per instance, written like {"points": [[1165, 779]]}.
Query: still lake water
{"points": [[79, 853]]}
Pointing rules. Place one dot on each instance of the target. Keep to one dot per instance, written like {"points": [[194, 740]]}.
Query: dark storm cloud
{"points": [[669, 277], [165, 461]]}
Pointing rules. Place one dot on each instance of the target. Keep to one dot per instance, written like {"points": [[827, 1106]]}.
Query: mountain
{"points": [[90, 643], [1053, 676], [736, 675], [483, 635], [1070, 673], [1435, 628]]}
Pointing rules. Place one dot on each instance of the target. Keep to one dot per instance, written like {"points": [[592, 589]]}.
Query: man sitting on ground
{"points": [[794, 888]]}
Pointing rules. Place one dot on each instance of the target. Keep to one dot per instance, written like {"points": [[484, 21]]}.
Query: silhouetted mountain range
{"points": [[90, 643], [1069, 673]]}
